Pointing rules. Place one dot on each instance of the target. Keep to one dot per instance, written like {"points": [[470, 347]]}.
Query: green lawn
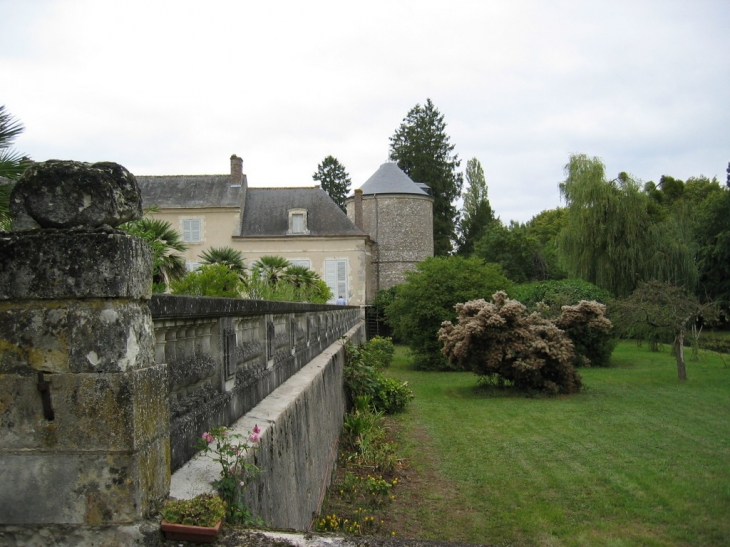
{"points": [[636, 459]]}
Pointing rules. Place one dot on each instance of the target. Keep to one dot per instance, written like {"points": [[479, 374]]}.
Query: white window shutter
{"points": [[191, 230], [342, 278], [335, 275]]}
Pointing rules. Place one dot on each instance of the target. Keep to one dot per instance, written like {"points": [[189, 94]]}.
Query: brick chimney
{"points": [[236, 170], [358, 209]]}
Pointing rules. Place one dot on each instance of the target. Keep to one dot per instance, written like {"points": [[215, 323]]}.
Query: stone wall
{"points": [[224, 356], [300, 425]]}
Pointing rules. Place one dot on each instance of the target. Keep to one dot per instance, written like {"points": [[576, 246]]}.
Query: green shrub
{"points": [[361, 423], [715, 342], [428, 297], [203, 510], [556, 294], [364, 379], [210, 280], [379, 352]]}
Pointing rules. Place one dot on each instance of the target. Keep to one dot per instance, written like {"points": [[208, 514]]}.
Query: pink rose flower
{"points": [[208, 438], [256, 429], [254, 437]]}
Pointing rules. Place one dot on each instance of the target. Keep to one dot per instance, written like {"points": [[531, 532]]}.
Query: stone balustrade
{"points": [[224, 356]]}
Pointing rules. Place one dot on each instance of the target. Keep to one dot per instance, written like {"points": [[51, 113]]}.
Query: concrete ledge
{"points": [[300, 426]]}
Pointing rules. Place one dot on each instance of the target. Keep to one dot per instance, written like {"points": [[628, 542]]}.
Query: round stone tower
{"points": [[397, 213]]}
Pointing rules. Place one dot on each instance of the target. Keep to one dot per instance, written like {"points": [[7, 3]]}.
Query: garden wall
{"points": [[224, 356], [300, 426]]}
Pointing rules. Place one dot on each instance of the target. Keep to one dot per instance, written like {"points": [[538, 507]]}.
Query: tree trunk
{"points": [[681, 370]]}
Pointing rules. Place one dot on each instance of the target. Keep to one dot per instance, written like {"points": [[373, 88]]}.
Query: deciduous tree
{"points": [[610, 238], [713, 238], [663, 308], [422, 150], [513, 248], [476, 213]]}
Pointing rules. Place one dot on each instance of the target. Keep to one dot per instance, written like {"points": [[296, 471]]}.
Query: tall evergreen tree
{"points": [[476, 213], [333, 177], [422, 150]]}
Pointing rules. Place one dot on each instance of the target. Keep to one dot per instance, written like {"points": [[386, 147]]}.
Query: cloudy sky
{"points": [[176, 87]]}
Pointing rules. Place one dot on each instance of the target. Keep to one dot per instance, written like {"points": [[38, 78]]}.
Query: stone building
{"points": [[397, 213], [387, 230], [301, 224]]}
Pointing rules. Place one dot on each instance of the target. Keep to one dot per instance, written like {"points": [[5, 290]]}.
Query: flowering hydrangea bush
{"points": [[230, 450]]}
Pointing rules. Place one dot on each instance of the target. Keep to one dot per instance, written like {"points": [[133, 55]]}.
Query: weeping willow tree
{"points": [[611, 240]]}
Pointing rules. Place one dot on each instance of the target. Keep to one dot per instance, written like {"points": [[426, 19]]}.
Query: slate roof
{"points": [[390, 179], [189, 191], [267, 213]]}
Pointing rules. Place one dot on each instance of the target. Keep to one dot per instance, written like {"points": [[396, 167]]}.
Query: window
{"points": [[191, 266], [191, 230], [335, 273], [304, 262], [298, 221]]}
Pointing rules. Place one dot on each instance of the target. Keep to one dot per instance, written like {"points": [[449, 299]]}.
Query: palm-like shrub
{"points": [[300, 276], [226, 256], [12, 163], [271, 268], [166, 242], [275, 278]]}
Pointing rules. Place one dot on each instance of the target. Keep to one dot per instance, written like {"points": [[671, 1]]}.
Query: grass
{"points": [[636, 459]]}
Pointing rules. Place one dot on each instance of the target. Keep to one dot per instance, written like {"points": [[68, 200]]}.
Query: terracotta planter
{"points": [[199, 534]]}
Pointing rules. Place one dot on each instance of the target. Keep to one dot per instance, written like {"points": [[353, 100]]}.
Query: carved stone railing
{"points": [[224, 356]]}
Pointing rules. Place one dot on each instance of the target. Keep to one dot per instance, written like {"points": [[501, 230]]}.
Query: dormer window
{"points": [[298, 221]]}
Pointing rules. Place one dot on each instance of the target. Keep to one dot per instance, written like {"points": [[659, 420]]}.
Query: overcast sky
{"points": [[176, 87]]}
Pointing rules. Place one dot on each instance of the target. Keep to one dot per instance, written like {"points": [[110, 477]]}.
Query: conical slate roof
{"points": [[389, 179]]}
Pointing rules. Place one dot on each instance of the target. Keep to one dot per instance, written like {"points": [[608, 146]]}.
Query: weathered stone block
{"points": [[91, 489], [67, 194], [56, 265], [92, 412], [75, 336]]}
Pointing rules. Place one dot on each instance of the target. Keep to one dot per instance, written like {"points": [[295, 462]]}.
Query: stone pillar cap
{"points": [[69, 194]]}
